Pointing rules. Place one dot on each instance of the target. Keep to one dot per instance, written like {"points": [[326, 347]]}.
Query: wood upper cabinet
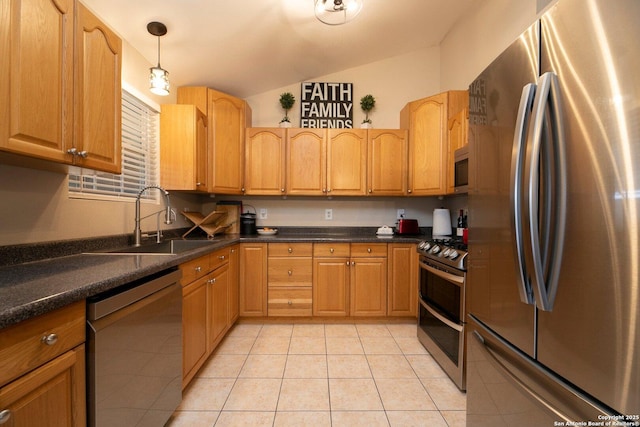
{"points": [[458, 128], [427, 120], [387, 162], [98, 94], [306, 162], [183, 148], [265, 158], [227, 118], [347, 162], [402, 299], [62, 92]]}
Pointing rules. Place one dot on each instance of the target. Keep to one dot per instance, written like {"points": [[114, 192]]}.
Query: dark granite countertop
{"points": [[28, 289]]}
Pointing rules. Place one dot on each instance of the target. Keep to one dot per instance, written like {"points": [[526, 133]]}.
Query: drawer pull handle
{"points": [[4, 416], [50, 339]]}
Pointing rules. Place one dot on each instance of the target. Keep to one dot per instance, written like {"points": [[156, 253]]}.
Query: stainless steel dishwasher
{"points": [[134, 358]]}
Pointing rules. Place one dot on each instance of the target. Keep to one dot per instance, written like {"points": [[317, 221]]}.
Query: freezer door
{"points": [[505, 387], [592, 336], [493, 293]]}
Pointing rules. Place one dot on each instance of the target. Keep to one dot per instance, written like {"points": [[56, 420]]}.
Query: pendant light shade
{"points": [[159, 77], [337, 12]]}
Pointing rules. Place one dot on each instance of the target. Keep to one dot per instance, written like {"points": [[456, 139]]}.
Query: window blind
{"points": [[140, 162]]}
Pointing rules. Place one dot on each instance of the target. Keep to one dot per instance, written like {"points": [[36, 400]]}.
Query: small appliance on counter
{"points": [[408, 226], [248, 223], [384, 231]]}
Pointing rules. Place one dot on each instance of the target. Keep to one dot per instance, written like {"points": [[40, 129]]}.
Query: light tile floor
{"points": [[321, 375]]}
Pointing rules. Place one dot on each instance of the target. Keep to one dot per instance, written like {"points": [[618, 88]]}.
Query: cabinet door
{"points": [[347, 162], [253, 279], [227, 123], [36, 103], [265, 148], [98, 95], [457, 128], [427, 144], [403, 280], [234, 291], [306, 162], [331, 286], [52, 395], [194, 328], [387, 166], [183, 152], [218, 310], [368, 286]]}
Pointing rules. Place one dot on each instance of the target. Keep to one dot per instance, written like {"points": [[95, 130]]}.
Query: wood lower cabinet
{"points": [[218, 300], [42, 381], [194, 328], [290, 279], [253, 279], [234, 289], [402, 280], [368, 279], [331, 279]]}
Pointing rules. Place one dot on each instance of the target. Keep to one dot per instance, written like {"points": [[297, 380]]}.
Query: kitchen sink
{"points": [[169, 247]]}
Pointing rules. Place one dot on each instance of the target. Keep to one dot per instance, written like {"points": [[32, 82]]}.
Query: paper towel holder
{"points": [[441, 222]]}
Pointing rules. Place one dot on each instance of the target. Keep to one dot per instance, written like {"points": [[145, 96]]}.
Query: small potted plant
{"points": [[286, 102], [367, 103]]}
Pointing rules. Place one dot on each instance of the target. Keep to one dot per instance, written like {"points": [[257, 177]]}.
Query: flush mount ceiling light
{"points": [[159, 78], [337, 12]]}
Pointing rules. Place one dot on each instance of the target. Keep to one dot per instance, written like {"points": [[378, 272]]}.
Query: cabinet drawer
{"points": [[290, 302], [369, 249], [219, 258], [290, 272], [290, 249], [194, 269], [24, 346], [331, 250]]}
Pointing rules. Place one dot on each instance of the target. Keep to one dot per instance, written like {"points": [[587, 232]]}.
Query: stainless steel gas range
{"points": [[441, 311]]}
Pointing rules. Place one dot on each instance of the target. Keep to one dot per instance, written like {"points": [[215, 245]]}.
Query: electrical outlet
{"points": [[400, 214], [328, 214], [263, 213]]}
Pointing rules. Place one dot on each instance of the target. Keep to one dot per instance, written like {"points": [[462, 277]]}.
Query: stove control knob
{"points": [[446, 252], [454, 254], [435, 249]]}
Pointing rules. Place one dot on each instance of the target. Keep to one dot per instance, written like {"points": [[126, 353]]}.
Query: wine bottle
{"points": [[460, 224]]}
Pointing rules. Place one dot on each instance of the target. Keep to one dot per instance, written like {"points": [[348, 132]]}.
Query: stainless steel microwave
{"points": [[461, 170]]}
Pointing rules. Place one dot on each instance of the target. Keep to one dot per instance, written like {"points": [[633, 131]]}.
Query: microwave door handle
{"points": [[546, 129], [517, 189]]}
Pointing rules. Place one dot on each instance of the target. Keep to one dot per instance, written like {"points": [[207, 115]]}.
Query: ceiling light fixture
{"points": [[337, 12], [159, 78]]}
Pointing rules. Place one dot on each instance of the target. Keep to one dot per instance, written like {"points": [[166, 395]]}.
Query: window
{"points": [[140, 161]]}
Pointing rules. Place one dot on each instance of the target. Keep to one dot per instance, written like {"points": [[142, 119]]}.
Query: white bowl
{"points": [[271, 232]]}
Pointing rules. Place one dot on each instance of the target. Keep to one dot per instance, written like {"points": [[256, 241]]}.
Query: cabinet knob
{"points": [[331, 250], [221, 257], [233, 251], [83, 154], [198, 184], [409, 191], [4, 416], [282, 190], [198, 269], [50, 339], [73, 151], [370, 191], [290, 250], [289, 302], [347, 263], [353, 263], [290, 273]]}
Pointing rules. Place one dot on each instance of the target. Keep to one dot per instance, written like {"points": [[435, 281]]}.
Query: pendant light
{"points": [[337, 12], [159, 78]]}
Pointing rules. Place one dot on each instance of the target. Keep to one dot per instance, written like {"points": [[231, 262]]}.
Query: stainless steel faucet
{"points": [[167, 218]]}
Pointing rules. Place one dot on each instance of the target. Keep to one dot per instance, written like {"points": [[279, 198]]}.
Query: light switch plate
{"points": [[328, 214]]}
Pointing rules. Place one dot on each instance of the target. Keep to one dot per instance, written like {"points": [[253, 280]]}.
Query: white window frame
{"points": [[140, 156]]}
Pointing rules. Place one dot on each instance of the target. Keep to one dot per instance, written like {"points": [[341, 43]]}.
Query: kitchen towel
{"points": [[441, 222]]}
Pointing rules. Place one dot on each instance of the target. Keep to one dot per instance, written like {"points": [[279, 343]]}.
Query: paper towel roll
{"points": [[441, 222]]}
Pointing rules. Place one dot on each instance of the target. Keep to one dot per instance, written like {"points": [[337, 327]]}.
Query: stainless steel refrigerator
{"points": [[553, 285]]}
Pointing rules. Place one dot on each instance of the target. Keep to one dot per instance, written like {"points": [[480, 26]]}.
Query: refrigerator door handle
{"points": [[517, 189], [546, 133]]}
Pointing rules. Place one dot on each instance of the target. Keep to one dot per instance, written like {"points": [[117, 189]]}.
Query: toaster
{"points": [[408, 226]]}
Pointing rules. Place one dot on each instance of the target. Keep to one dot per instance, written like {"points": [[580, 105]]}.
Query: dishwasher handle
{"points": [[101, 308]]}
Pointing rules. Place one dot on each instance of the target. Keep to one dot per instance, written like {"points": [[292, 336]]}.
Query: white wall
{"points": [[393, 82]]}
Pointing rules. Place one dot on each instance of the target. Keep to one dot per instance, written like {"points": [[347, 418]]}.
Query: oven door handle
{"points": [[441, 318], [458, 280]]}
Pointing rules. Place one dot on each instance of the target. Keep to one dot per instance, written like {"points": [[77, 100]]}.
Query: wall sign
{"points": [[326, 105]]}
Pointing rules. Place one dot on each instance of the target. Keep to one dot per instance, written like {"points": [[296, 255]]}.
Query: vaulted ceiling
{"points": [[246, 47]]}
